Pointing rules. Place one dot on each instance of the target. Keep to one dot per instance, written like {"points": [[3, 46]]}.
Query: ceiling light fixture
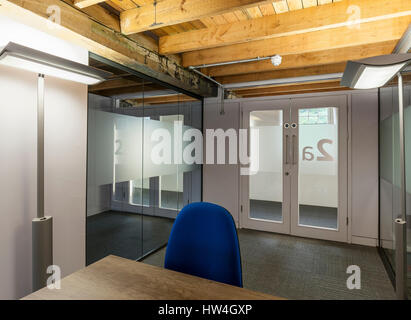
{"points": [[18, 56]]}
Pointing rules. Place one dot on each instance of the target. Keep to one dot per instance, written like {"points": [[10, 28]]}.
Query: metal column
{"points": [[42, 227], [400, 223]]}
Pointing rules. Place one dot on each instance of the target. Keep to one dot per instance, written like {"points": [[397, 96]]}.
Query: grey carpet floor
{"points": [[309, 215], [300, 268], [128, 235]]}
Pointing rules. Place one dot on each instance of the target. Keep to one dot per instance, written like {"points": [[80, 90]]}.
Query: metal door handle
{"points": [[294, 149], [287, 151]]}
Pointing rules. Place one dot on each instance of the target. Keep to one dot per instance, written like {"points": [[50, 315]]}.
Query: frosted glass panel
{"points": [[122, 147], [318, 167], [140, 192], [266, 153]]}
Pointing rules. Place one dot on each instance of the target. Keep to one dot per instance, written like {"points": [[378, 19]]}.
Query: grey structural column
{"points": [[42, 227], [400, 223]]}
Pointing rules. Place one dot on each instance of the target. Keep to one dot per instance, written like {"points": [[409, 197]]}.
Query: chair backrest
{"points": [[204, 242]]}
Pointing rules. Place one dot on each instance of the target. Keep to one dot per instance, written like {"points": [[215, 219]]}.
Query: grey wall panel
{"points": [[221, 182], [364, 143]]}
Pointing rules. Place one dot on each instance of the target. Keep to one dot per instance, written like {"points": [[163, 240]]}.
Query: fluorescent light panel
{"points": [[375, 77], [28, 65], [374, 72], [21, 57]]}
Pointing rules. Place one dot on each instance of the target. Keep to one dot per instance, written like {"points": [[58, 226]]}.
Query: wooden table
{"points": [[118, 278]]}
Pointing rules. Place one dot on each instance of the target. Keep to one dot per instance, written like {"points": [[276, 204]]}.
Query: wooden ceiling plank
{"points": [[86, 3], [114, 6], [170, 12], [280, 6], [309, 3], [306, 59], [371, 32], [321, 2], [126, 4], [230, 17], [218, 20], [286, 24], [103, 16], [241, 15], [254, 12], [267, 9], [294, 5]]}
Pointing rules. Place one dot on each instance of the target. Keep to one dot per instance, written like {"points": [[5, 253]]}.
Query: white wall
{"points": [[65, 162], [221, 182]]}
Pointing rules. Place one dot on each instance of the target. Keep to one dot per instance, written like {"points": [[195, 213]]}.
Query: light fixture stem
{"points": [[40, 146], [400, 223]]}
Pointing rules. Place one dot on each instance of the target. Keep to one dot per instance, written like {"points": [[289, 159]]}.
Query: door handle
{"points": [[287, 151], [294, 149]]}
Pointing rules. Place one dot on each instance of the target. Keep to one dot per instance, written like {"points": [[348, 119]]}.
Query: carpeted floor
{"points": [[300, 268], [128, 235]]}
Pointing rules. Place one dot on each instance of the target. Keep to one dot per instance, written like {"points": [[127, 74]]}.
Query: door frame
{"points": [[262, 224], [339, 101], [341, 233]]}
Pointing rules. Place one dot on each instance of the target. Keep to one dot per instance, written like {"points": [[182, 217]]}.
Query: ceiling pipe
{"points": [[275, 59], [252, 84]]}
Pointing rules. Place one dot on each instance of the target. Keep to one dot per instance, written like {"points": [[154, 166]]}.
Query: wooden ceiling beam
{"points": [[370, 32], [257, 95], [171, 12], [306, 59], [281, 74], [286, 24], [78, 28], [289, 88], [162, 99]]}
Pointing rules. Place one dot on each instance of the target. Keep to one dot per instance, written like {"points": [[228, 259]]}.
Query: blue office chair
{"points": [[204, 243]]}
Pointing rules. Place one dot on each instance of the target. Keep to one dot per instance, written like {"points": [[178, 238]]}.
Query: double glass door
{"points": [[296, 179]]}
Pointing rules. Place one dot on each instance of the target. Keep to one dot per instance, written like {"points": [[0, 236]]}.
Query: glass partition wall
{"points": [[390, 179], [137, 179]]}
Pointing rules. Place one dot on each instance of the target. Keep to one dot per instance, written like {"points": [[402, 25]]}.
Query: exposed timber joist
{"points": [[301, 91], [370, 32], [286, 24], [305, 60], [171, 12], [176, 98], [77, 27], [272, 90], [280, 74]]}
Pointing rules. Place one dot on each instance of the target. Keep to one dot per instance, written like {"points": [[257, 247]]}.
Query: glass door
{"points": [[265, 180], [319, 170], [296, 180]]}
